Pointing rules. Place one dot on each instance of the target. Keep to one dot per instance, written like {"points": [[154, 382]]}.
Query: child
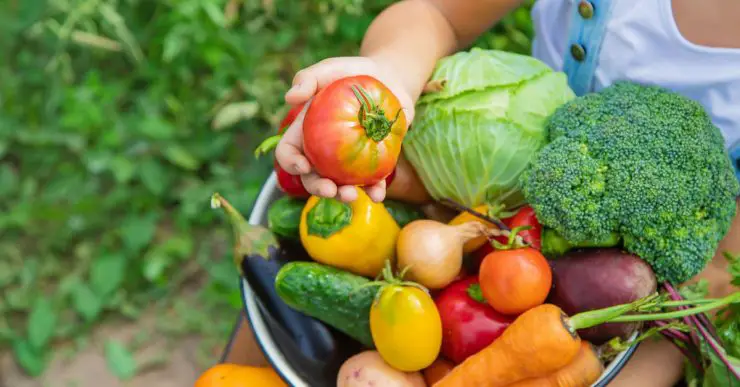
{"points": [[688, 46]]}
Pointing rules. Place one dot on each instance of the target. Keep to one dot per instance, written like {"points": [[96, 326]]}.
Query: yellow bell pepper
{"points": [[358, 236]]}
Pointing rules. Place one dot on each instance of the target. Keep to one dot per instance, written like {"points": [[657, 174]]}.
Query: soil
{"points": [[88, 367]]}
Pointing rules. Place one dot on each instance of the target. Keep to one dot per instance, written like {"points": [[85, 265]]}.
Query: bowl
{"points": [[268, 339]]}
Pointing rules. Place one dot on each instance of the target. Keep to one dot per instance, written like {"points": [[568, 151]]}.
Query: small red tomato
{"points": [[514, 281], [469, 324], [291, 185], [352, 131], [524, 217]]}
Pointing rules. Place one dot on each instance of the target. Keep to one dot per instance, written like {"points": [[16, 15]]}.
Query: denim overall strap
{"points": [[735, 157], [587, 28]]}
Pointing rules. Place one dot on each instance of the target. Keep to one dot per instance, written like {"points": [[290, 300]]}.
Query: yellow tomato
{"points": [[406, 327], [465, 217], [232, 375]]}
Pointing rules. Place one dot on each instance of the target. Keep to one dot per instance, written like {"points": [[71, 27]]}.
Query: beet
{"points": [[588, 279]]}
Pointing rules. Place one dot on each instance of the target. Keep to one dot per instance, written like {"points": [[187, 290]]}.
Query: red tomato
{"points": [[291, 184], [468, 324], [514, 281], [524, 217], [352, 131]]}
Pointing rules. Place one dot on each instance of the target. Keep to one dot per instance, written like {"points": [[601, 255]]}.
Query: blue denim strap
{"points": [[735, 157], [587, 28]]}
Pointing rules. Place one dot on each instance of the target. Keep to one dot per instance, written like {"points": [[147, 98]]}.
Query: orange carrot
{"points": [[437, 371], [543, 340], [536, 344], [582, 371]]}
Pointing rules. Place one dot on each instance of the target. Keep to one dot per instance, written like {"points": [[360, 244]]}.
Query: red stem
{"points": [[674, 333], [686, 319], [720, 353]]}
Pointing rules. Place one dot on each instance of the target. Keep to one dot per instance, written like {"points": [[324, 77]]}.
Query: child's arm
{"points": [[410, 36], [400, 49]]}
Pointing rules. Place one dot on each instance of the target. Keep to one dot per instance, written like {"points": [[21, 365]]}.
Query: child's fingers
{"points": [[318, 186], [376, 192], [309, 80], [289, 152], [347, 193]]}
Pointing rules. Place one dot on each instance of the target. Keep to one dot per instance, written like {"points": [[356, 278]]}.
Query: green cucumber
{"points": [[402, 213], [284, 216], [330, 295]]}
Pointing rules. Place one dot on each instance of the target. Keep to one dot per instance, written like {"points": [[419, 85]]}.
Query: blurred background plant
{"points": [[118, 119]]}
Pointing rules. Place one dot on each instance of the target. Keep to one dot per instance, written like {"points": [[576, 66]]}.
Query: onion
{"points": [[431, 252]]}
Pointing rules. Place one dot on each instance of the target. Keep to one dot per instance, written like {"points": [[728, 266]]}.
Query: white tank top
{"points": [[642, 43]]}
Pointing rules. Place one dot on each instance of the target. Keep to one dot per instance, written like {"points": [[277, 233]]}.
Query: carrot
{"points": [[437, 371], [537, 343], [582, 371], [543, 340]]}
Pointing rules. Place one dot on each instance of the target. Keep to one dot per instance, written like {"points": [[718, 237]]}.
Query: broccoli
{"points": [[642, 163]]}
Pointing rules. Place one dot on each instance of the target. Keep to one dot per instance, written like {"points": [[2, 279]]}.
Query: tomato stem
{"points": [[386, 277], [372, 117]]}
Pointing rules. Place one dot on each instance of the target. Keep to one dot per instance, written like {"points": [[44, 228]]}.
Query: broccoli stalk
{"points": [[642, 163], [554, 245]]}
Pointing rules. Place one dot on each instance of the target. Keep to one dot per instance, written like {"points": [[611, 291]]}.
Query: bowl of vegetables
{"points": [[553, 265], [276, 345]]}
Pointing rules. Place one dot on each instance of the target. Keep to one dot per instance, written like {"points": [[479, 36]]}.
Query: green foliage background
{"points": [[118, 120]]}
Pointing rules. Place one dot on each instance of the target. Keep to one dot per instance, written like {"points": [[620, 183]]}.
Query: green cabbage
{"points": [[470, 141]]}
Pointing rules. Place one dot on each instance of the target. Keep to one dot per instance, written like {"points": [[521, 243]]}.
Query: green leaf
{"points": [[154, 176], [120, 360], [30, 359], [157, 128], [155, 265], [41, 323], [107, 273], [9, 182], [179, 156], [214, 13], [123, 168], [138, 231], [86, 303], [233, 113]]}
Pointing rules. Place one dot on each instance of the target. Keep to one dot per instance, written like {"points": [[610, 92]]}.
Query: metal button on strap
{"points": [[578, 52], [586, 9]]}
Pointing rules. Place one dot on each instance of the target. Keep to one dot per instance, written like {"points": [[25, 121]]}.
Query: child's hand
{"points": [[289, 152]]}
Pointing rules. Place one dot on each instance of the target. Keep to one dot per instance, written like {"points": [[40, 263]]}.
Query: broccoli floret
{"points": [[640, 162]]}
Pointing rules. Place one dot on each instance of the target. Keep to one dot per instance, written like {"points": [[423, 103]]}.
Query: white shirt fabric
{"points": [[642, 43]]}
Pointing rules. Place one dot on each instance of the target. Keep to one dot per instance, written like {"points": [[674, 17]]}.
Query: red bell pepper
{"points": [[525, 216], [469, 324], [292, 185]]}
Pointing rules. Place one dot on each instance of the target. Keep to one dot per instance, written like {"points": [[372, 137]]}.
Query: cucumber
{"points": [[323, 292], [284, 216], [402, 213]]}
